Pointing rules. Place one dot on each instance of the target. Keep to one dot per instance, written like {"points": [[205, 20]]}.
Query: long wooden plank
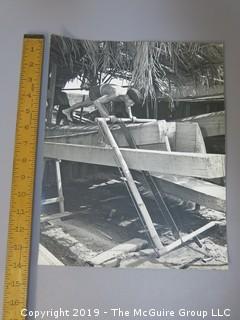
{"points": [[202, 192], [211, 124], [123, 248], [45, 257], [194, 93], [50, 201], [187, 164], [55, 216]]}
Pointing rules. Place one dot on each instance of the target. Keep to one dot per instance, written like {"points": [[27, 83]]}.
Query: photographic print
{"points": [[134, 155]]}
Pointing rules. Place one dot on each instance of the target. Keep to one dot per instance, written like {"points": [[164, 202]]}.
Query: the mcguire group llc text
{"points": [[119, 313]]}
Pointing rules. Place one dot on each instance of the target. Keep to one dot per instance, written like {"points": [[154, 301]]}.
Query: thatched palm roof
{"points": [[154, 67]]}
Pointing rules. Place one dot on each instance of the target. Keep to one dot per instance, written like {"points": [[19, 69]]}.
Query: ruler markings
{"points": [[20, 220]]}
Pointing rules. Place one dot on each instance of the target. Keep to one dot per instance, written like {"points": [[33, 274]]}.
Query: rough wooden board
{"points": [[202, 192], [176, 163], [194, 93], [123, 248], [45, 257], [182, 137], [143, 134], [44, 218], [211, 124], [50, 201]]}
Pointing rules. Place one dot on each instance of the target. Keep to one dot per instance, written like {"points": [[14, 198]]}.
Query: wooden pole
{"points": [[132, 186], [51, 94], [59, 186], [188, 237]]}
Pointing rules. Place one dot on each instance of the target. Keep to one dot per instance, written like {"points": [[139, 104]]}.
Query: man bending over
{"points": [[107, 98]]}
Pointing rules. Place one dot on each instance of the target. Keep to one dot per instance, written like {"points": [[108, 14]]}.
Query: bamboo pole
{"points": [[132, 186]]}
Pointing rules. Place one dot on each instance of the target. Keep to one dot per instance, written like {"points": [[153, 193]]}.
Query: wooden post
{"points": [[168, 147], [188, 110], [59, 187], [51, 93], [147, 108], [132, 186], [81, 114]]}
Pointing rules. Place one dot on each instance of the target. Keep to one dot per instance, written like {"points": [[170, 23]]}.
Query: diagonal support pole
{"points": [[178, 243], [132, 186]]}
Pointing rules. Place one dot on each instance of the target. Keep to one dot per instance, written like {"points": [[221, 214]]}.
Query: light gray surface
{"points": [[128, 20]]}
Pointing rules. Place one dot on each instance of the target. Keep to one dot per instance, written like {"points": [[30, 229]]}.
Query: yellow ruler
{"points": [[20, 220]]}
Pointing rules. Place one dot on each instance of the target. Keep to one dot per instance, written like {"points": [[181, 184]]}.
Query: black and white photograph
{"points": [[134, 155]]}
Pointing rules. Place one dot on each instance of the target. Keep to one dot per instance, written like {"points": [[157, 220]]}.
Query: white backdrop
{"points": [[68, 287]]}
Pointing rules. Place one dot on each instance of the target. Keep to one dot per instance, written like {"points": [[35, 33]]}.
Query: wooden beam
{"points": [[56, 216], [119, 250], [50, 201], [211, 124], [202, 192], [177, 163], [192, 93]]}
